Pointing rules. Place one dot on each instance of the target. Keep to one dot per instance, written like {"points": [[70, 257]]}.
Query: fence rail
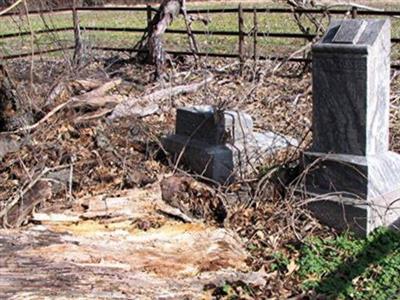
{"points": [[173, 31], [352, 11], [23, 33], [389, 13]]}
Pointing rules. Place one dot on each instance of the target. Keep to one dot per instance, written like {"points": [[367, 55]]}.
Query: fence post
{"points": [[241, 37], [354, 12], [255, 31], [149, 17], [77, 34]]}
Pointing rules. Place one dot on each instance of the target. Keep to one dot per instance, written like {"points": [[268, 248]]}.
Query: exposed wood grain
{"points": [[96, 250]]}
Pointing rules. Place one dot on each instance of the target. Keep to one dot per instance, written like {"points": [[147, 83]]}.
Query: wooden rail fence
{"points": [[255, 33]]}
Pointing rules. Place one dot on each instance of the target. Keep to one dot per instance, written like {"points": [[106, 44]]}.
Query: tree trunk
{"points": [[14, 112], [77, 35], [153, 51]]}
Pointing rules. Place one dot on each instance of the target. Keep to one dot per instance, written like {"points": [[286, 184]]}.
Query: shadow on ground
{"points": [[375, 252]]}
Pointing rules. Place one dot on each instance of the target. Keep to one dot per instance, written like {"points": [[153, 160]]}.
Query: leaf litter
{"points": [[112, 216]]}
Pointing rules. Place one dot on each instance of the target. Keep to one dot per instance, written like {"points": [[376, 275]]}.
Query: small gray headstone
{"points": [[220, 145], [350, 155]]}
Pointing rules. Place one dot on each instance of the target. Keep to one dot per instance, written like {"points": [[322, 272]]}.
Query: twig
{"points": [[20, 194], [192, 40], [43, 120], [71, 174], [280, 64], [97, 115], [77, 35], [10, 7]]}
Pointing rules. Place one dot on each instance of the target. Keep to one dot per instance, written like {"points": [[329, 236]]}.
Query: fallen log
{"points": [[117, 104], [120, 247], [131, 106], [97, 97]]}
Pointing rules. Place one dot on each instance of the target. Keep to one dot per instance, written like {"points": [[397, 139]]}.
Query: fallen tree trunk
{"points": [[120, 106], [97, 97], [131, 106], [14, 112], [129, 245]]}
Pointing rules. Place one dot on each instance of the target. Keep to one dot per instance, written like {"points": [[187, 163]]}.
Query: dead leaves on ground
{"points": [[108, 159], [194, 198]]}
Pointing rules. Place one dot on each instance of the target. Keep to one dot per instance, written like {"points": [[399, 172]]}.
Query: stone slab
{"points": [[221, 145], [368, 34], [340, 213], [351, 214], [200, 124], [349, 32], [340, 106], [227, 162], [212, 126]]}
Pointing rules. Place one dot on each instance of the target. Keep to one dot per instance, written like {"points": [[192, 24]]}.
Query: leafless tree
{"points": [[150, 46], [306, 4]]}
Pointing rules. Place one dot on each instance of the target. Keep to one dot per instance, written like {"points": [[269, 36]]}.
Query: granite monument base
{"points": [[354, 192]]}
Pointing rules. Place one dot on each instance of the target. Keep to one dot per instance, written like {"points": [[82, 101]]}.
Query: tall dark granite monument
{"points": [[351, 172]]}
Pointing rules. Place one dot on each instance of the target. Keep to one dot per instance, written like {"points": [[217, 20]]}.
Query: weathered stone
{"points": [[212, 161], [220, 145], [212, 126], [350, 158], [349, 32], [363, 188], [351, 92]]}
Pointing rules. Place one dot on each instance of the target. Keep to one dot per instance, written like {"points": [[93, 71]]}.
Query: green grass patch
{"points": [[348, 268], [267, 22]]}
